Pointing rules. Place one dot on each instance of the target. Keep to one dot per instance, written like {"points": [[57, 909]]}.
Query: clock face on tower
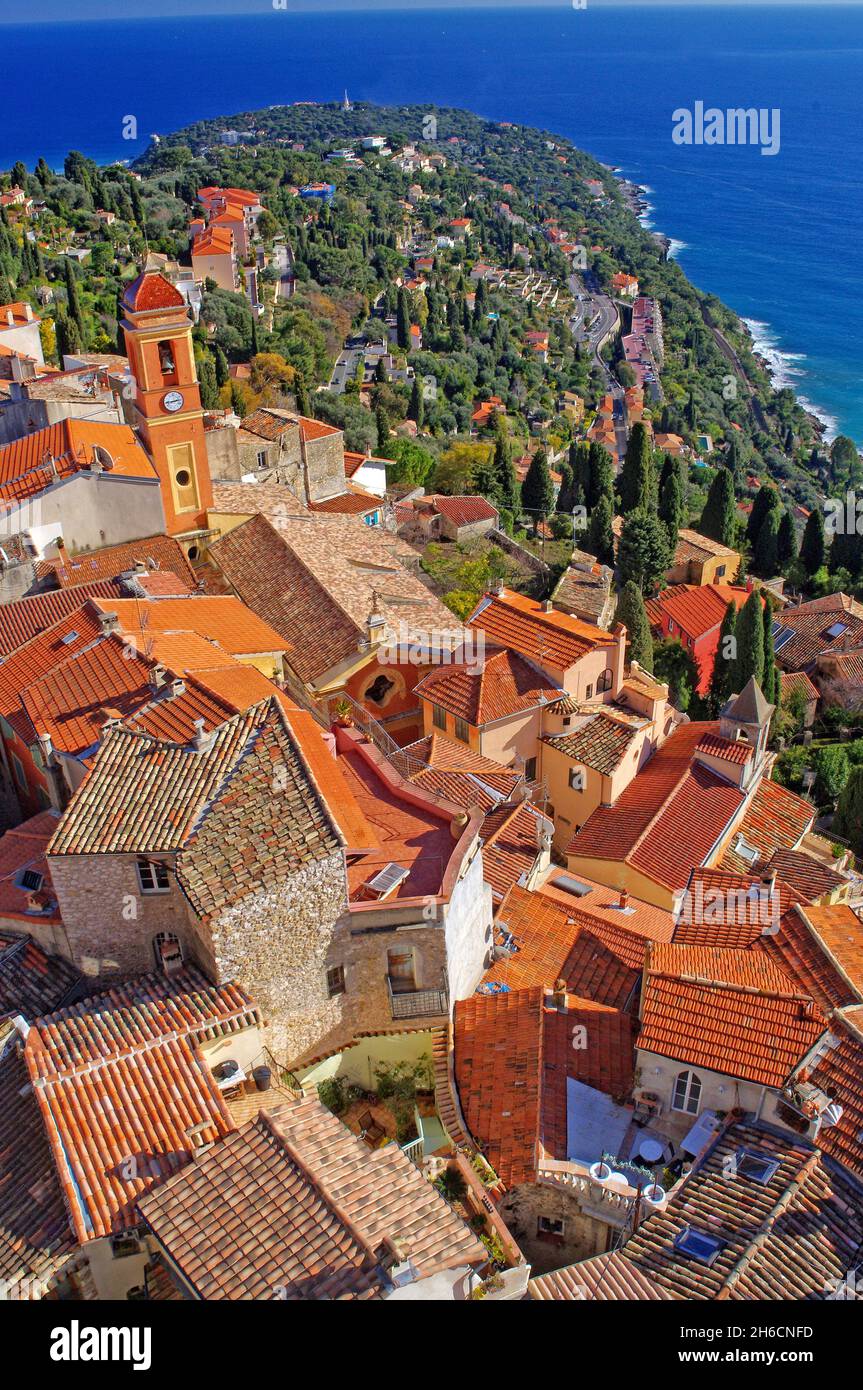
{"points": [[173, 401]]}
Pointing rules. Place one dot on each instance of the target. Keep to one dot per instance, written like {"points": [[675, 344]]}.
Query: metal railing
{"points": [[417, 1003], [413, 1150], [405, 764]]}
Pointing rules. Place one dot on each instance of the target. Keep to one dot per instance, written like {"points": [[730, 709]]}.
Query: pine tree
{"points": [[537, 491], [599, 539], [643, 554], [812, 547], [671, 507], [632, 613], [765, 560], [718, 520], [786, 541], [750, 642], [637, 482], [722, 680]]}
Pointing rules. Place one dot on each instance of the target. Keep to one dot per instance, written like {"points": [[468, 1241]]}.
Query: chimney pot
{"points": [[623, 900]]}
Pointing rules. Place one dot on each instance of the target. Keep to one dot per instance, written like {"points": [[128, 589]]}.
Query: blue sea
{"points": [[776, 237]]}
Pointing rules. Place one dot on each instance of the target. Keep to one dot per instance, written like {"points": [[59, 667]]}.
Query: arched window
{"points": [[687, 1093], [168, 952], [604, 682]]}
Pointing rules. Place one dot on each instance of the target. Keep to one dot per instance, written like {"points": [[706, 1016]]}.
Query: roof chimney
{"points": [[178, 688], [10, 318], [109, 622], [202, 740], [558, 995], [28, 313], [46, 747], [623, 900], [158, 676]]}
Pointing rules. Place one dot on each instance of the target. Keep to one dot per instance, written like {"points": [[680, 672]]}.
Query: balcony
{"points": [[417, 1003]]}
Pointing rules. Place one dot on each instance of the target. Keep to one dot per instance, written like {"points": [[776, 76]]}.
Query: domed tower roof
{"points": [[152, 292]]}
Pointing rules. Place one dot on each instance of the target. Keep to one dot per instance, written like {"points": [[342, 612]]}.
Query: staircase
{"points": [[446, 1100]]}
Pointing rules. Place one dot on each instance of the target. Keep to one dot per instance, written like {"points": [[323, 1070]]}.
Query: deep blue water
{"points": [[778, 238]]}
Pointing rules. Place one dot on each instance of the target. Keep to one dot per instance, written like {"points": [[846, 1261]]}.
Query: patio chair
{"points": [[647, 1107], [370, 1130]]}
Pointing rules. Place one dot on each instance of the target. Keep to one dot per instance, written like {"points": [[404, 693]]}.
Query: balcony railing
{"points": [[417, 1003]]}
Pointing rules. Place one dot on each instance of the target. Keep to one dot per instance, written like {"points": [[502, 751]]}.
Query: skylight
{"points": [[698, 1245], [755, 1167], [781, 635], [70, 637], [567, 884], [836, 630]]}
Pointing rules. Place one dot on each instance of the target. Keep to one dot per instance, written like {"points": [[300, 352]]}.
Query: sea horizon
{"points": [[742, 227]]}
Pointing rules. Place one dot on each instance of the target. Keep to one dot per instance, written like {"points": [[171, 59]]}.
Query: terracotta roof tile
{"points": [[506, 684], [27, 617], [154, 553], [24, 471], [695, 608], [294, 1205], [730, 1011], [552, 639], [602, 742], [776, 819]]}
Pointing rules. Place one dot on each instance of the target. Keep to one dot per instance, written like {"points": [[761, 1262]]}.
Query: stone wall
{"points": [[324, 466], [583, 1237], [276, 943]]}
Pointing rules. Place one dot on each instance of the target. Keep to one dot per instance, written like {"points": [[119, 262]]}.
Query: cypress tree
{"points": [[722, 679], [600, 473], [671, 507], [254, 339], [770, 683], [812, 548], [786, 541], [207, 382], [416, 409], [301, 395], [637, 482], [718, 520], [537, 492], [507, 482], [73, 300], [848, 820], [221, 365], [632, 612], [383, 428], [579, 463], [766, 499], [565, 499], [403, 320], [765, 560], [750, 642], [599, 539]]}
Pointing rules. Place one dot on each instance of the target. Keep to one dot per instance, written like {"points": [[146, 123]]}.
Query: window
{"points": [[588, 694], [379, 689], [262, 458], [462, 731], [687, 1093], [18, 769], [549, 1226], [31, 880], [604, 682], [671, 625], [183, 477], [401, 970], [720, 570], [439, 717], [372, 519], [167, 364], [168, 952], [576, 779], [335, 980], [530, 769], [153, 876]]}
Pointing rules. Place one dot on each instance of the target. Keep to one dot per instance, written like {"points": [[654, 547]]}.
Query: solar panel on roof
{"points": [[781, 635]]}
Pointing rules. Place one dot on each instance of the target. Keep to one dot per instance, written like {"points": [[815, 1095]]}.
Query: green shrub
{"points": [[332, 1094]]}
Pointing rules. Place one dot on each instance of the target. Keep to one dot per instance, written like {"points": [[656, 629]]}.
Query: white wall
{"points": [[468, 930]]}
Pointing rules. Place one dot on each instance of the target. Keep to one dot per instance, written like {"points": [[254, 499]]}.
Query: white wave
{"points": [[781, 364], [675, 247]]}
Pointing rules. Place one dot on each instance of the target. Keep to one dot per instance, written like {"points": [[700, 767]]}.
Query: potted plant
{"points": [[343, 714]]}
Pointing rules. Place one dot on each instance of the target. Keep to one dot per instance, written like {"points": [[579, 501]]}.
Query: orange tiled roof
{"points": [[504, 685], [463, 511], [811, 623], [726, 749], [155, 553], [776, 819], [223, 620], [26, 618], [554, 639], [601, 743], [213, 241], [695, 608], [732, 1012], [512, 1059], [118, 1079], [152, 292], [598, 959], [668, 818], [510, 845], [25, 472], [839, 1074], [23, 848], [809, 877]]}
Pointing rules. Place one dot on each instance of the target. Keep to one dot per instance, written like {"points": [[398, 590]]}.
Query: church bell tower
{"points": [[169, 417]]}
